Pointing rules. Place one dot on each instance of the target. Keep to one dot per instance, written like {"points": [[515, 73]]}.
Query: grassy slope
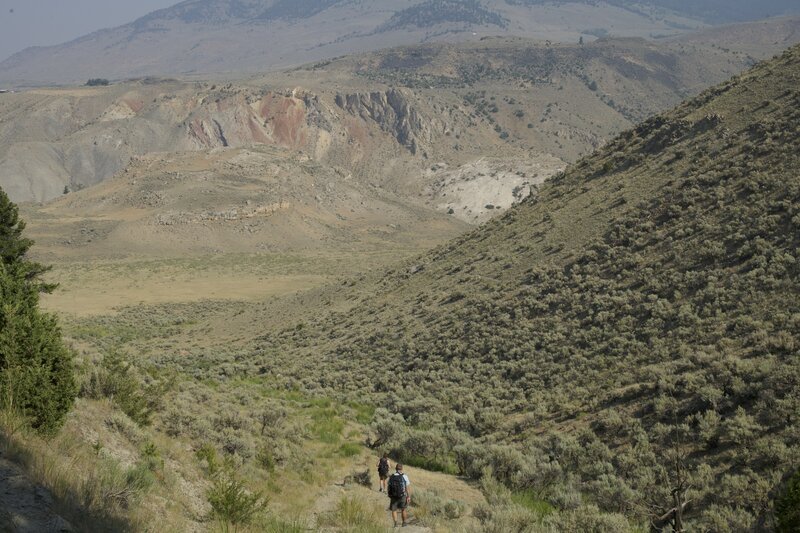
{"points": [[645, 302]]}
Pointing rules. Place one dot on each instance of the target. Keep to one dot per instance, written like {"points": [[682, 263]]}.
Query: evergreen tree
{"points": [[787, 507], [36, 374], [13, 246]]}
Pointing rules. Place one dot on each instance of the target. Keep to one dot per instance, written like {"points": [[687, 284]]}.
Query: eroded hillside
{"points": [[232, 201]]}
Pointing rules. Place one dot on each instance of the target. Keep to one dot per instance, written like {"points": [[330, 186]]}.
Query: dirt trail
{"points": [[24, 506], [450, 487]]}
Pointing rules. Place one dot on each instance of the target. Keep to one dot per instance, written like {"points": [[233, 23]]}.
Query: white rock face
{"points": [[477, 191]]}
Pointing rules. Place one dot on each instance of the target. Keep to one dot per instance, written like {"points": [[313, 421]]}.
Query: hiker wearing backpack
{"points": [[399, 494], [383, 471]]}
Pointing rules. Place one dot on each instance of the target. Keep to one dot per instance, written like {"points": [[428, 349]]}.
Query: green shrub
{"points": [[265, 458], [117, 379], [387, 427], [275, 524], [434, 464], [530, 501], [139, 478], [232, 505], [507, 519], [326, 425], [588, 519], [723, 519], [208, 453], [349, 449], [353, 514], [36, 375], [151, 457], [433, 504], [787, 507]]}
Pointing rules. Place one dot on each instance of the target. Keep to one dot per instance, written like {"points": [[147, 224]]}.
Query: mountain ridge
{"points": [[222, 38]]}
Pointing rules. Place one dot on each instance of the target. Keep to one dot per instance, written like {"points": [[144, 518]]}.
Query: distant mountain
{"points": [[434, 111], [711, 11], [217, 11], [225, 11], [225, 37], [432, 13]]}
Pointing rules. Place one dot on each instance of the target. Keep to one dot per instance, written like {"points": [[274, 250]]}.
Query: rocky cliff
{"points": [[391, 111]]}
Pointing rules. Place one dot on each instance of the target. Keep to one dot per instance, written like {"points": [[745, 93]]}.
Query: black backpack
{"points": [[383, 466], [396, 486]]}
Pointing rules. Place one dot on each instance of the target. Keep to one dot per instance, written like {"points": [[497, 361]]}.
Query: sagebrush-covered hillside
{"points": [[632, 329]]}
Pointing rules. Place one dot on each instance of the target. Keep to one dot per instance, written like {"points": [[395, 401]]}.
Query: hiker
{"points": [[383, 471], [399, 494]]}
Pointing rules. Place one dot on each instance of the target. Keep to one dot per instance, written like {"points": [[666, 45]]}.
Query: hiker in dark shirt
{"points": [[383, 471]]}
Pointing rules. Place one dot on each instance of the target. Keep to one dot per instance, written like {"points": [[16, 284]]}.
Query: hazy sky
{"points": [[26, 23]]}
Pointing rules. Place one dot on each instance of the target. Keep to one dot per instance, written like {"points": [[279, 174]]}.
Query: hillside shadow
{"points": [[28, 506]]}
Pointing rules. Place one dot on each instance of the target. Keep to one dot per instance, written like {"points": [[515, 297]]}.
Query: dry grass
{"points": [[354, 513], [89, 491], [101, 478], [101, 295]]}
